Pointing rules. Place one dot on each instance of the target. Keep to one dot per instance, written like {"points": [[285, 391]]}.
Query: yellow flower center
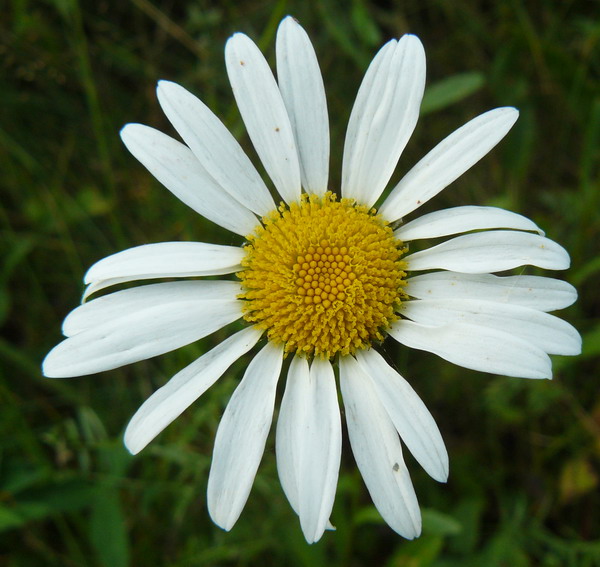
{"points": [[323, 276]]}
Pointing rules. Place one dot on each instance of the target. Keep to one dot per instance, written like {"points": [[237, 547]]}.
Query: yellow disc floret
{"points": [[322, 276]]}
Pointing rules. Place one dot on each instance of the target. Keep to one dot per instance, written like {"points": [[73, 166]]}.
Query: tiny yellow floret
{"points": [[323, 276]]}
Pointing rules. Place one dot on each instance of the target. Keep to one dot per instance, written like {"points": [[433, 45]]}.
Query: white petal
{"points": [[264, 113], [241, 437], [475, 347], [320, 449], [447, 161], [491, 251], [383, 118], [308, 444], [544, 294], [181, 391], [377, 451], [551, 334], [463, 219], [215, 148], [125, 302], [410, 416], [288, 434], [146, 332], [176, 167], [164, 260], [303, 93]]}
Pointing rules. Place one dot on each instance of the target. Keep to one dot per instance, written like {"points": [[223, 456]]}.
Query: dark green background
{"points": [[523, 487]]}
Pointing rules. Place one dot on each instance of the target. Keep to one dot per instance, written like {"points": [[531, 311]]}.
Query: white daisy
{"points": [[325, 279]]}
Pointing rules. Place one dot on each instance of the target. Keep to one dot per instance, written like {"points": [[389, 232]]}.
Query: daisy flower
{"points": [[322, 278]]}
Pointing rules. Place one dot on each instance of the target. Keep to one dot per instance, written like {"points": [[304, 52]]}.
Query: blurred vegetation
{"points": [[525, 455]]}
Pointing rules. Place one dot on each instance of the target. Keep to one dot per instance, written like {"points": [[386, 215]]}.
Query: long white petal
{"points": [[164, 260], [241, 437], [492, 251], [320, 448], [536, 292], [264, 113], [215, 148], [447, 161], [125, 302], [288, 435], [176, 167], [152, 330], [551, 334], [377, 451], [303, 93], [383, 118], [463, 219], [475, 347], [181, 391], [410, 416], [308, 444]]}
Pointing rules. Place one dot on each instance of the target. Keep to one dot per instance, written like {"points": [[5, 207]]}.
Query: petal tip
{"points": [[47, 369], [163, 86], [131, 441], [131, 446], [443, 477], [441, 471], [288, 20], [415, 530], [219, 517], [131, 131], [510, 113], [52, 366], [236, 38], [412, 38], [127, 130]]}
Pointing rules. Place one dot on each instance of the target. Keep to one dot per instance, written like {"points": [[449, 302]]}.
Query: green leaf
{"points": [[368, 515], [108, 532], [108, 526], [438, 523], [364, 25], [451, 90]]}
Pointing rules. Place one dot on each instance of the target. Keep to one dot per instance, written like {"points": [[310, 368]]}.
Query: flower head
{"points": [[323, 277]]}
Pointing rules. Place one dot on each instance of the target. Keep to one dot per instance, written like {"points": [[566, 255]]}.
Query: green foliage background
{"points": [[523, 487]]}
